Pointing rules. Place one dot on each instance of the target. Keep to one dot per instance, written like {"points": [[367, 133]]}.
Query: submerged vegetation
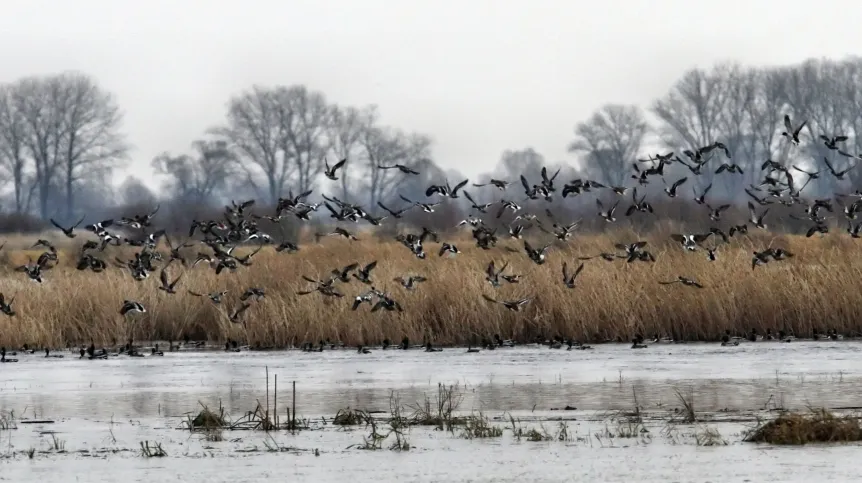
{"points": [[815, 291]]}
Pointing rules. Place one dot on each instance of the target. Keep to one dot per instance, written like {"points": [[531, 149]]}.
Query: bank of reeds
{"points": [[819, 288]]}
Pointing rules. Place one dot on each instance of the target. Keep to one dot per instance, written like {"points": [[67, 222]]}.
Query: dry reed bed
{"points": [[820, 288]]}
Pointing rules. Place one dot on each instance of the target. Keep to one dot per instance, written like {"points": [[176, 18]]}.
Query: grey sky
{"points": [[479, 76]]}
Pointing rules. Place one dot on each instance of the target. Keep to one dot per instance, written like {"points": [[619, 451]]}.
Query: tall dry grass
{"points": [[820, 288]]}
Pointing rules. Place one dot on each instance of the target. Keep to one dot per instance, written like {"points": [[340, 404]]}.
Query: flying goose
{"points": [[252, 292], [811, 174], [757, 220], [343, 274], [760, 201], [69, 232], [445, 190], [730, 168], [832, 142], [536, 255], [237, 313], [701, 199], [324, 288], [6, 307], [633, 250], [515, 231], [608, 257], [410, 282], [400, 167], [446, 247], [839, 175], [609, 214], [364, 273], [817, 228], [363, 298], [480, 208], [790, 133], [715, 213], [287, 246], [569, 280], [690, 242], [386, 303], [426, 207], [671, 191], [396, 213], [338, 231], [492, 275], [689, 282], [330, 172], [215, 297], [100, 226], [131, 306], [513, 305], [511, 205], [166, 285], [499, 184]]}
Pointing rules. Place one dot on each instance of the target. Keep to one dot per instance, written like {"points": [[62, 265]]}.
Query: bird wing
{"points": [[460, 185], [578, 271]]}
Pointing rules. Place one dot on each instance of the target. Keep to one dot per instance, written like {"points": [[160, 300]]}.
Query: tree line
{"points": [[61, 139]]}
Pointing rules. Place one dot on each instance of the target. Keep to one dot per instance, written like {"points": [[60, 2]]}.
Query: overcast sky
{"points": [[479, 76]]}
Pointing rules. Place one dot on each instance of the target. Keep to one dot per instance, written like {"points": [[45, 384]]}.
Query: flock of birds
{"points": [[240, 226]]}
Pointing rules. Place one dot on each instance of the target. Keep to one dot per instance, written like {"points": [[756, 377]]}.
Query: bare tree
{"points": [[256, 133], [387, 147], [133, 191], [611, 138], [690, 113], [36, 100], [92, 143], [200, 178], [305, 120], [525, 161], [346, 130], [13, 151], [740, 89], [71, 130]]}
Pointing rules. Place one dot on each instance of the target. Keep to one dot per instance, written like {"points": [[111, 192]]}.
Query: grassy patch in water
{"points": [[815, 426]]}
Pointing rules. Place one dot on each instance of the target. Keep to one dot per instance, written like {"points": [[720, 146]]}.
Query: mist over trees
{"points": [[742, 107], [62, 139]]}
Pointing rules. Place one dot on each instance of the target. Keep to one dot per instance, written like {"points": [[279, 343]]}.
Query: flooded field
{"points": [[522, 414]]}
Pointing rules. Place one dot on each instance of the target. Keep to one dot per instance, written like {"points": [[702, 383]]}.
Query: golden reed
{"points": [[820, 288]]}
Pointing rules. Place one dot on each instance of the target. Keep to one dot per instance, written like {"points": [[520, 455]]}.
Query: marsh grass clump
{"points": [[350, 417], [440, 412], [152, 450], [537, 435], [708, 436], [7, 421], [57, 444], [208, 420], [806, 292], [477, 426], [686, 414], [815, 426]]}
